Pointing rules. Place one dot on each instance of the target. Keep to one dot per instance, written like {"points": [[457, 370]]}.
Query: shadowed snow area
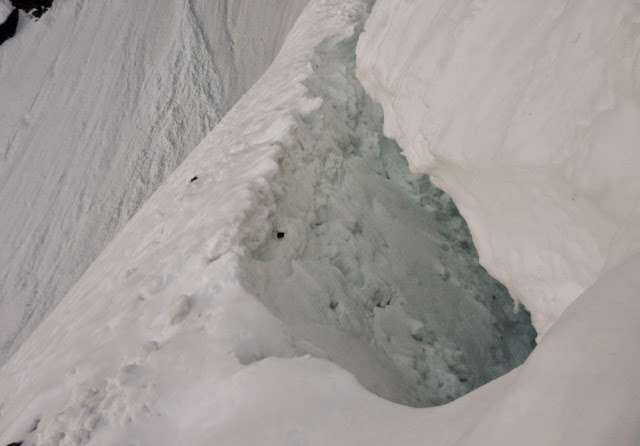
{"points": [[100, 102], [372, 267], [293, 230]]}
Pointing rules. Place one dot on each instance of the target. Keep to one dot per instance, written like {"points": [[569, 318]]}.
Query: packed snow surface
{"points": [[528, 115], [100, 101]]}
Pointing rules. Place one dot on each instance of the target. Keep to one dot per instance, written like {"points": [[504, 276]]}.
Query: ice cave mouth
{"points": [[377, 271]]}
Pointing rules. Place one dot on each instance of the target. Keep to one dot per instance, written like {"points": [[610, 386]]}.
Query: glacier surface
{"points": [[268, 288]]}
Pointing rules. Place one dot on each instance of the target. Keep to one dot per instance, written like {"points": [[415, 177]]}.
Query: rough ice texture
{"points": [[528, 115], [99, 103]]}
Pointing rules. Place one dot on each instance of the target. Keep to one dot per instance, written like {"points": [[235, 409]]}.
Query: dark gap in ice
{"points": [[420, 322]]}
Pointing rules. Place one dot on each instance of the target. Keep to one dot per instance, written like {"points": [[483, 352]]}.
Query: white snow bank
{"points": [[99, 102], [580, 385], [528, 115]]}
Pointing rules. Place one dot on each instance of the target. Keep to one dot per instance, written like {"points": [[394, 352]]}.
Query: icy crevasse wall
{"points": [[373, 267], [99, 102], [528, 115]]}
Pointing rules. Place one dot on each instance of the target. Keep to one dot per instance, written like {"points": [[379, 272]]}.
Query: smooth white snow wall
{"points": [[528, 115], [99, 102]]}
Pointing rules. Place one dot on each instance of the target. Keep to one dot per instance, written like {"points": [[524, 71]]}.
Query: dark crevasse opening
{"points": [[372, 267]]}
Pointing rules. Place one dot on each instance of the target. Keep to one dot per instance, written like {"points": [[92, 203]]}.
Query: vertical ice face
{"points": [[372, 267], [100, 102], [528, 115]]}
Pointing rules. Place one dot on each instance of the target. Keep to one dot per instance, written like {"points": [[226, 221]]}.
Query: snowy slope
{"points": [[99, 103], [198, 323], [168, 336], [529, 116]]}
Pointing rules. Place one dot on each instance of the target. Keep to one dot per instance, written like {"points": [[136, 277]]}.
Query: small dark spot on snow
{"points": [[280, 234], [417, 337], [193, 179], [333, 305], [214, 258], [493, 297], [16, 443]]}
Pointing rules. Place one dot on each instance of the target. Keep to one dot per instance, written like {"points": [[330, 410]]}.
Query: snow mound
{"points": [[528, 116], [100, 102]]}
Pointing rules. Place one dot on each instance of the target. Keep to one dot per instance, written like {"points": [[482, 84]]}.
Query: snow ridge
{"points": [[103, 101]]}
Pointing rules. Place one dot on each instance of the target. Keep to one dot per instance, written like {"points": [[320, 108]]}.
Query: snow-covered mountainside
{"points": [[291, 272], [529, 116], [99, 103]]}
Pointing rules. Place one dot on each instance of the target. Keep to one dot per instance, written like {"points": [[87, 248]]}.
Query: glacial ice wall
{"points": [[528, 115]]}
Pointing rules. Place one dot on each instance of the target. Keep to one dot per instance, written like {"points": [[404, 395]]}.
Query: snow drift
{"points": [[529, 116], [100, 102]]}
